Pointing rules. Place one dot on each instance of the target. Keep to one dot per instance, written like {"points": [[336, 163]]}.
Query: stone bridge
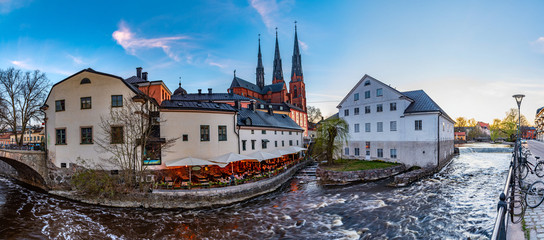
{"points": [[30, 167]]}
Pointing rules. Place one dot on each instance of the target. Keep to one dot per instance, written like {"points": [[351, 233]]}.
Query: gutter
{"points": [[234, 129], [438, 140]]}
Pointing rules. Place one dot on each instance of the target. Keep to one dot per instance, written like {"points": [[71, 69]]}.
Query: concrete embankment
{"points": [[339, 178], [194, 198]]}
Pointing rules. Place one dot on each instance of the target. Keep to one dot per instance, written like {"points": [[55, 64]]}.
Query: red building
{"points": [[277, 93], [528, 132]]}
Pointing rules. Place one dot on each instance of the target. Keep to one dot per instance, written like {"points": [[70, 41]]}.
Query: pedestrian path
{"points": [[534, 217]]}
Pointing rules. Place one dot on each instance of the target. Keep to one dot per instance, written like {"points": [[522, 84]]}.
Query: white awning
{"points": [[191, 161], [261, 156], [231, 157]]}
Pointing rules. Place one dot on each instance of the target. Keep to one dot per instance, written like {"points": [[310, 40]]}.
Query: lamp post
{"points": [[519, 98]]}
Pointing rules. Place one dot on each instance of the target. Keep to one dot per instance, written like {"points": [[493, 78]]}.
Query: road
{"points": [[534, 217]]}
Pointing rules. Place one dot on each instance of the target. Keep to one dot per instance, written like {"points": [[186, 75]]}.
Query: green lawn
{"points": [[344, 165]]}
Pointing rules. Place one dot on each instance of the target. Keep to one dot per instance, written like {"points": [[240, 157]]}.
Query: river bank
{"points": [[189, 199]]}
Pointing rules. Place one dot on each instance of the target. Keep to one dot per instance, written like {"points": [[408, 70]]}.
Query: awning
{"points": [[261, 156], [266, 140], [280, 152], [191, 161], [294, 149], [231, 157]]}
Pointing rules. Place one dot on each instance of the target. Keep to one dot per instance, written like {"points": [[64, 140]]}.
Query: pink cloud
{"points": [[131, 43]]}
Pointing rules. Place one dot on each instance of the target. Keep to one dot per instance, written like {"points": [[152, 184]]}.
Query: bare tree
{"points": [[131, 136], [314, 114], [22, 95]]}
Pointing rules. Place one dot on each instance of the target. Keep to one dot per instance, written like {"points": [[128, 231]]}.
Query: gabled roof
{"points": [[423, 103], [264, 119], [135, 79], [277, 87], [90, 70], [238, 82], [209, 97], [206, 106], [363, 79]]}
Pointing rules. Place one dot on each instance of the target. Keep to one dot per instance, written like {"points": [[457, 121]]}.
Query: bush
{"points": [[96, 183]]}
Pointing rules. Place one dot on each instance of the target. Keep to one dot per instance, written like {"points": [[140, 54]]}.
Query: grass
{"points": [[526, 230], [344, 165]]}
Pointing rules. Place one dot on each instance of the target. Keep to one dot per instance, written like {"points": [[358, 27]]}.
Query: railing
{"points": [[501, 222], [22, 148]]}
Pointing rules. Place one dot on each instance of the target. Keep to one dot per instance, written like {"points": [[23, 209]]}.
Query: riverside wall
{"points": [[337, 177]]}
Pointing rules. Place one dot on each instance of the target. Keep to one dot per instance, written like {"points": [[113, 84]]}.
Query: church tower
{"points": [[277, 75], [297, 88], [260, 68]]}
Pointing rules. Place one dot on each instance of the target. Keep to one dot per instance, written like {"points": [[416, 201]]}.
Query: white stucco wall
{"points": [[272, 134], [100, 90]]}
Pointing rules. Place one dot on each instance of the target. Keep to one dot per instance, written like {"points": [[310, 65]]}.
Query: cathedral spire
{"points": [[296, 68], [277, 75], [260, 68]]}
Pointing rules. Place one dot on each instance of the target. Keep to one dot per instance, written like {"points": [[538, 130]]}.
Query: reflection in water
{"points": [[457, 203]]}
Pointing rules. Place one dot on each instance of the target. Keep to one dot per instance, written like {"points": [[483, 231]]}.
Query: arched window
{"points": [[296, 95], [85, 81]]}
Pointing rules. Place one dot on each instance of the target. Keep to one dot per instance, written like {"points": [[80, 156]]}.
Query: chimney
{"points": [[144, 76], [252, 105], [139, 72], [199, 91], [270, 110], [210, 91], [237, 104]]}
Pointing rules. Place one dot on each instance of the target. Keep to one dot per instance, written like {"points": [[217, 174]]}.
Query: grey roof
{"points": [[209, 97], [276, 106], [134, 79], [422, 103], [238, 82], [173, 104], [264, 119], [538, 110]]}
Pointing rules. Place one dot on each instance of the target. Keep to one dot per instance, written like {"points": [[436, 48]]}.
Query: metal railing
{"points": [[501, 221]]}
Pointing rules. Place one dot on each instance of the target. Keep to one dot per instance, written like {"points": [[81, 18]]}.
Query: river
{"points": [[457, 203]]}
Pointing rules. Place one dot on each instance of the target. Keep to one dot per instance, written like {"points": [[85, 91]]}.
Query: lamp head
{"points": [[519, 98]]}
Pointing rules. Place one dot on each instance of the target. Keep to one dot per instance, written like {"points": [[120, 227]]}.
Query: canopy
{"points": [[191, 161], [294, 149], [230, 157], [261, 156], [282, 151]]}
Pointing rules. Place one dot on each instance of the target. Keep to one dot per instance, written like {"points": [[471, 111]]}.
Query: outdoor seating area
{"points": [[199, 173]]}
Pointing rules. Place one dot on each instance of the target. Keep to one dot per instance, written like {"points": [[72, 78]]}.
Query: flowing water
{"points": [[457, 203]]}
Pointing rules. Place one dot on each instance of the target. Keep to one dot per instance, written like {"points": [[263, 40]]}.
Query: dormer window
{"points": [[248, 121], [85, 81]]}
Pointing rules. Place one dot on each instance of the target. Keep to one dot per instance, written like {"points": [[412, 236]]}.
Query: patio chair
{"points": [[169, 182]]}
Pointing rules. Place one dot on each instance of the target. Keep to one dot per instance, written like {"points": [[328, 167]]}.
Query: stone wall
{"points": [[190, 199], [335, 177]]}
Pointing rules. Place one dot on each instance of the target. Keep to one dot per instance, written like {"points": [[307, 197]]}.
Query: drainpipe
{"points": [[438, 140], [237, 133]]}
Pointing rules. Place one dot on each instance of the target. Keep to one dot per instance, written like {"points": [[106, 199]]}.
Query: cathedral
{"points": [[276, 94]]}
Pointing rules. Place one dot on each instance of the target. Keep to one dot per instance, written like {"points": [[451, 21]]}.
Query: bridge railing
{"points": [[501, 221], [22, 148]]}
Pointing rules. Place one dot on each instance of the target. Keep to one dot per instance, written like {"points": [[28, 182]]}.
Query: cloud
{"points": [[539, 44], [76, 60], [303, 45], [131, 43], [27, 66], [267, 9], [7, 6]]}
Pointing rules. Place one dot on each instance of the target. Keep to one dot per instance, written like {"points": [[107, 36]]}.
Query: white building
{"points": [[407, 127]]}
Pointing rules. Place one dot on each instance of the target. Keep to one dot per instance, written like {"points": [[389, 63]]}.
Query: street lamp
{"points": [[519, 98]]}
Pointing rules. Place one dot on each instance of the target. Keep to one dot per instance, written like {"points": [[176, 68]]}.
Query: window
{"points": [[275, 143], [252, 131], [367, 94], [86, 103], [356, 127], [356, 111], [85, 81], [356, 97], [263, 143], [393, 126], [346, 112], [281, 132], [59, 106], [297, 142], [275, 132], [367, 145], [290, 142], [290, 133], [380, 153], [222, 131], [185, 137], [253, 144], [367, 83], [418, 125], [244, 145], [282, 143], [63, 165], [204, 133], [87, 135], [356, 151], [263, 131], [367, 127], [346, 151], [117, 135], [116, 100], [379, 108], [393, 153], [393, 106], [379, 92], [367, 109], [379, 127]]}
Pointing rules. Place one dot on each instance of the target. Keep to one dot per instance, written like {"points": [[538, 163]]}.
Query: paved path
{"points": [[534, 217]]}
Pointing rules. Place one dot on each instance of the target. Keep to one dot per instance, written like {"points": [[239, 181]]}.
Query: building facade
{"points": [[407, 127]]}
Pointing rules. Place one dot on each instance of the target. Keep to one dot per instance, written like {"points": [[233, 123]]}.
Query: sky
{"points": [[469, 56]]}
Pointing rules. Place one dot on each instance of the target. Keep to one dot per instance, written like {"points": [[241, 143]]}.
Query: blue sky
{"points": [[469, 56]]}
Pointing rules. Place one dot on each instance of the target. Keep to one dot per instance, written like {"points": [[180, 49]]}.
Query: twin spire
{"points": [[277, 72]]}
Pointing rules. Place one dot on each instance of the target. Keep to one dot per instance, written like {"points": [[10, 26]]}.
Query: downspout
{"points": [[438, 140], [237, 133]]}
